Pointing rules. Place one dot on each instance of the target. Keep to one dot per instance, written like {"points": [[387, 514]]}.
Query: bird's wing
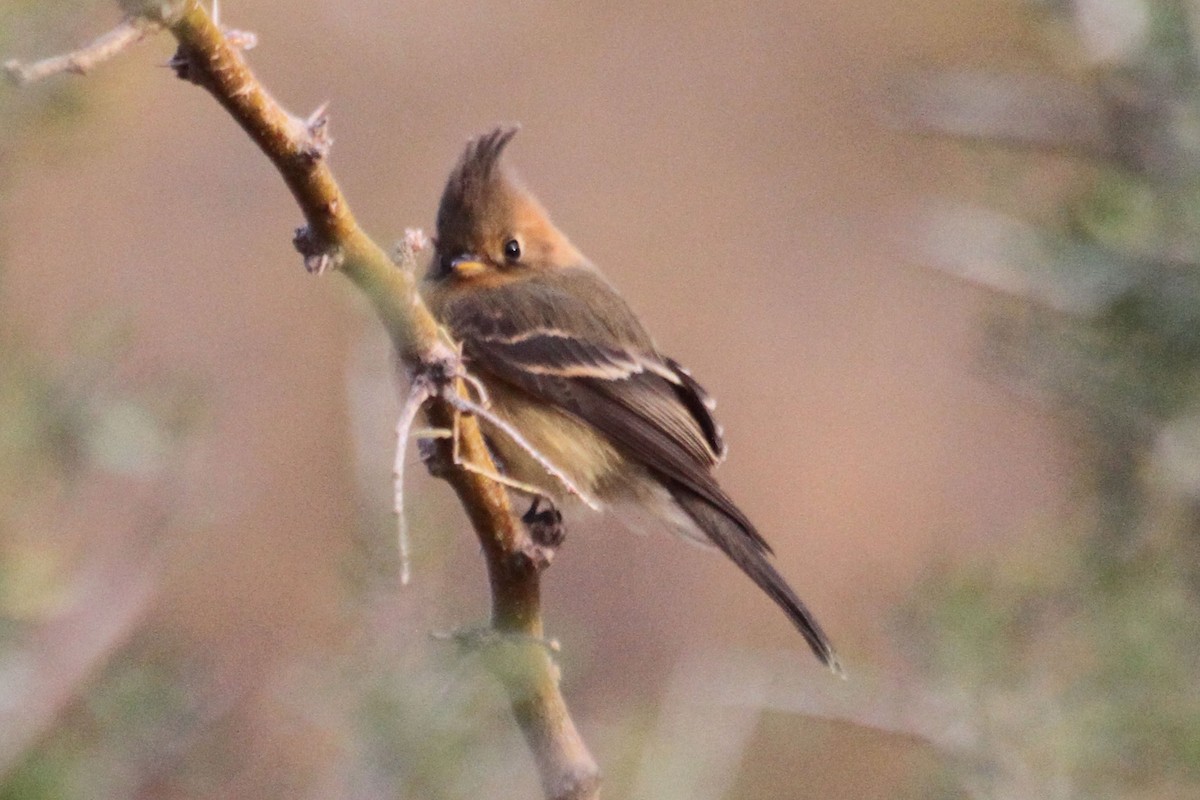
{"points": [[574, 344]]}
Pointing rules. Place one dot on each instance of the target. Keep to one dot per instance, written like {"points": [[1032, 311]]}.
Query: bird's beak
{"points": [[467, 265]]}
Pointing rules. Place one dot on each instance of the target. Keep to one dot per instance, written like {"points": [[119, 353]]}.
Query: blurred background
{"points": [[937, 261]]}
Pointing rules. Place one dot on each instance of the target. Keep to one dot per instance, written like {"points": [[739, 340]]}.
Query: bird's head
{"points": [[490, 229]]}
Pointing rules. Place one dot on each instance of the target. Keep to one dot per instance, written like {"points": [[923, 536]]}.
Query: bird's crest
{"points": [[482, 153], [473, 177]]}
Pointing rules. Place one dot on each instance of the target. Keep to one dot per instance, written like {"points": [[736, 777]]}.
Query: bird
{"points": [[566, 362]]}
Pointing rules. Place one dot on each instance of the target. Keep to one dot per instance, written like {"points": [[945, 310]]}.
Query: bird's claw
{"points": [[546, 533], [545, 525]]}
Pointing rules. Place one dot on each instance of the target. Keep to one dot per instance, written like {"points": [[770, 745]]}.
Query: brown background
{"points": [[726, 164]]}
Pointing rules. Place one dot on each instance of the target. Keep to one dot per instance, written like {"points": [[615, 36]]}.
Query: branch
{"points": [[332, 239], [131, 31]]}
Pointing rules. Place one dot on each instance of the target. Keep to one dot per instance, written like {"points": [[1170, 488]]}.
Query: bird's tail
{"points": [[746, 550]]}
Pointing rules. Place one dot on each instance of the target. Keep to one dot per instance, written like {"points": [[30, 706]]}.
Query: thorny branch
{"points": [[332, 239]]}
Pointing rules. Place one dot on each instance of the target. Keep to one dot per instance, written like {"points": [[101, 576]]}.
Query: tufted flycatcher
{"points": [[565, 361]]}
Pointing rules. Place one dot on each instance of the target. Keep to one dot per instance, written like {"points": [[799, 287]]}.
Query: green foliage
{"points": [[44, 776], [1078, 669], [425, 733], [121, 734], [61, 425], [1075, 648]]}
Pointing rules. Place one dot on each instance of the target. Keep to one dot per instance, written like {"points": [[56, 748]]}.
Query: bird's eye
{"points": [[512, 250]]}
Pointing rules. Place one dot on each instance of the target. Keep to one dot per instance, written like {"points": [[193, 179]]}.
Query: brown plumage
{"points": [[566, 361]]}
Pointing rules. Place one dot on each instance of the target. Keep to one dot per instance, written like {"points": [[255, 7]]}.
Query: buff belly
{"points": [[591, 462]]}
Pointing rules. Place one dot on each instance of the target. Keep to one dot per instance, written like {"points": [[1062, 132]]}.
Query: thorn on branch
{"points": [[319, 256], [404, 252], [318, 142], [242, 40], [181, 65], [129, 32]]}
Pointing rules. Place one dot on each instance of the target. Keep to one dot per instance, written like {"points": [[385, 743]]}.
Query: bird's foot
{"points": [[545, 525], [546, 533]]}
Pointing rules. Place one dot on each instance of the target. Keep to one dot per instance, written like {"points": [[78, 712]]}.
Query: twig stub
{"points": [[316, 129], [127, 33], [405, 251], [318, 256]]}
